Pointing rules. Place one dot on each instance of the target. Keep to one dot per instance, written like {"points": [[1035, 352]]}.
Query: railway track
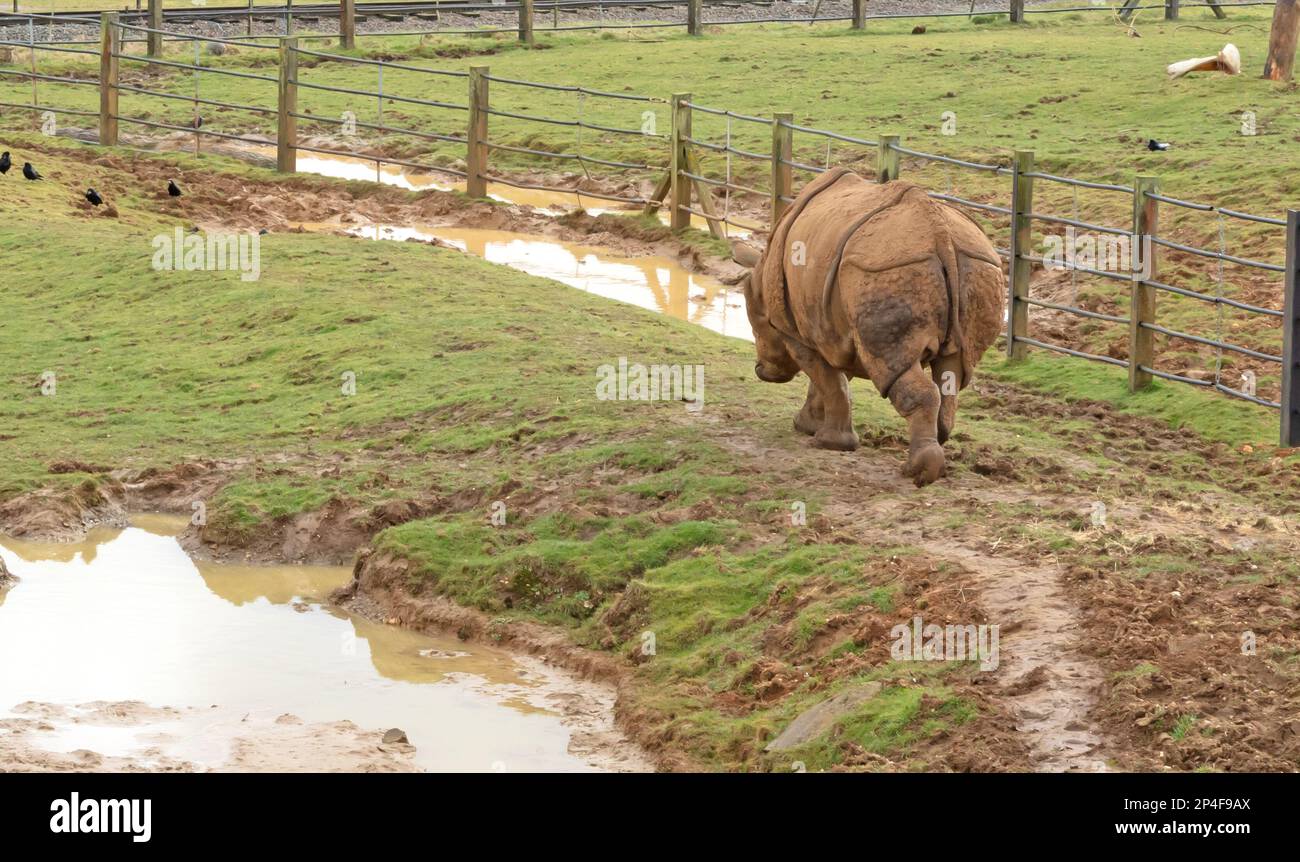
{"points": [[395, 11]]}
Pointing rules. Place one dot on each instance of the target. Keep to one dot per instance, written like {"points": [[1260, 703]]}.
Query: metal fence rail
{"points": [[688, 190], [697, 16], [481, 110], [114, 32]]}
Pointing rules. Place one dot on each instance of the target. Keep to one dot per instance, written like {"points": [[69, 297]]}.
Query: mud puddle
{"points": [[121, 652], [654, 282], [551, 203]]}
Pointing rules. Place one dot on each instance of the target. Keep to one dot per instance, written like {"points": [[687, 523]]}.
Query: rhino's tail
{"points": [[954, 340]]}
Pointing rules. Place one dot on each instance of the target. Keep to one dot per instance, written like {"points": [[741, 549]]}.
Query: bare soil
{"points": [[285, 744]]}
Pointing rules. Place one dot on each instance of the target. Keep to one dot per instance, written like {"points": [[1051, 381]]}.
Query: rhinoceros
{"points": [[878, 281]]}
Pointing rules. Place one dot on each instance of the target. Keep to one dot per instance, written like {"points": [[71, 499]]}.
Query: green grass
{"points": [[832, 78], [1214, 418], [476, 384], [1075, 88]]}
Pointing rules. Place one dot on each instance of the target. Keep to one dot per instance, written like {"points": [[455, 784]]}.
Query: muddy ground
{"points": [[1100, 670], [284, 744]]}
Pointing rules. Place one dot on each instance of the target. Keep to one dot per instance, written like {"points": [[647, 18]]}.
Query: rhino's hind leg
{"points": [[810, 417], [916, 398], [947, 373], [829, 387]]}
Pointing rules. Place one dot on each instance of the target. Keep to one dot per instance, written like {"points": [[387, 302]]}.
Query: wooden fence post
{"points": [[1171, 10], [286, 135], [476, 134], [1022, 206], [695, 17], [1291, 335], [108, 49], [154, 36], [1017, 11], [347, 23], [888, 158], [859, 14], [782, 172], [526, 21], [679, 189], [1142, 306]]}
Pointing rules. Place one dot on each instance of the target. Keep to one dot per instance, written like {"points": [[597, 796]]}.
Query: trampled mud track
{"points": [[1048, 686]]}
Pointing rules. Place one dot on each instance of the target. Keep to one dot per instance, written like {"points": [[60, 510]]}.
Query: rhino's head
{"points": [[774, 365]]}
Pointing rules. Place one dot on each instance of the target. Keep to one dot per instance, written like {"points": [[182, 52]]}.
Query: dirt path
{"points": [[1071, 634], [1051, 686]]}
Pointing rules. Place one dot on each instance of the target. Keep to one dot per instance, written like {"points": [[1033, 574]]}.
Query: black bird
{"points": [[173, 189], [30, 172], [4, 162], [93, 197], [1155, 146], [197, 122]]}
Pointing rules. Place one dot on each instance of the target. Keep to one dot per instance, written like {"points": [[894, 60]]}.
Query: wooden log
{"points": [[1282, 41], [705, 197], [660, 192]]}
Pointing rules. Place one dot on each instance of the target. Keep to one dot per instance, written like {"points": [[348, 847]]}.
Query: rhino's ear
{"points": [[745, 255]]}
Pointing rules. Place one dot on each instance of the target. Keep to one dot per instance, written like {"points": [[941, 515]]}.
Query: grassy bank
{"points": [[476, 385], [1074, 87]]}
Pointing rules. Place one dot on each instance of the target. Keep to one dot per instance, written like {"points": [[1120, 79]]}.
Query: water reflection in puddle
{"points": [[654, 282], [127, 616], [542, 200]]}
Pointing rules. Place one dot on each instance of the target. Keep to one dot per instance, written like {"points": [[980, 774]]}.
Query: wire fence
{"points": [[546, 15], [697, 174]]}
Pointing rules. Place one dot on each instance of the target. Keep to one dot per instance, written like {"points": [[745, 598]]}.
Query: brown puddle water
{"points": [[126, 615], [651, 281], [656, 283]]}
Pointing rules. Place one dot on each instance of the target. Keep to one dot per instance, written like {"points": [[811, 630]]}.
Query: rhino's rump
{"points": [[863, 271]]}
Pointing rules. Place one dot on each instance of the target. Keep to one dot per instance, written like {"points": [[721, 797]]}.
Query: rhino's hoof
{"points": [[829, 438], [805, 424], [925, 465]]}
